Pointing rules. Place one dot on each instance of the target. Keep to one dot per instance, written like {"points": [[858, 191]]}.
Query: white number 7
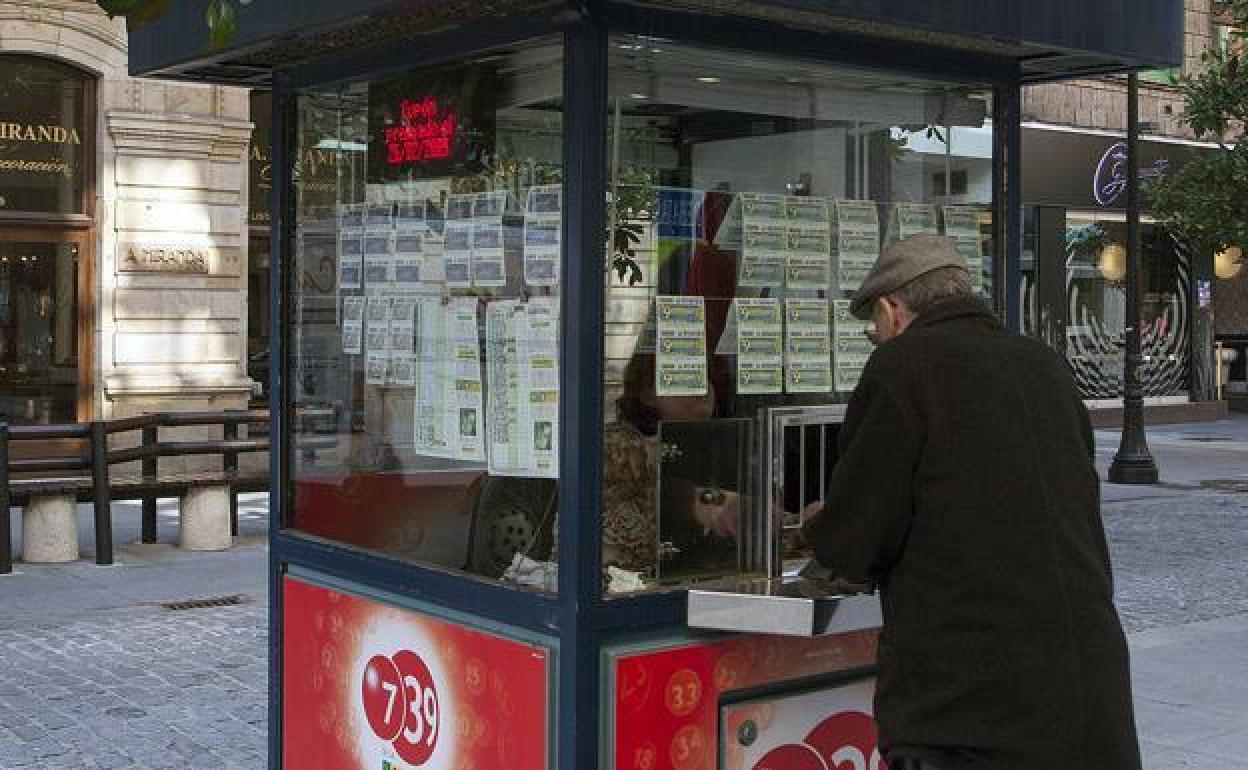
{"points": [[392, 690]]}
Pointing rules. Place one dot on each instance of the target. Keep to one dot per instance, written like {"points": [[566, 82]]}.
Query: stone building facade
{"points": [[127, 289]]}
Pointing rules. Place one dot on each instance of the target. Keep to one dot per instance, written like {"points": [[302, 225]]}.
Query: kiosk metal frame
{"points": [[1003, 50], [579, 618]]}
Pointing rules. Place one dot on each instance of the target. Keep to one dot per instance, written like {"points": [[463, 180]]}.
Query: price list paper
{"points": [[409, 245], [353, 324], [457, 242], [543, 225], [807, 232], [377, 339], [402, 341], [466, 425], [350, 259], [504, 385], [378, 258], [915, 219], [680, 346], [851, 347], [857, 242], [488, 239], [807, 347], [488, 268], [433, 380], [962, 224], [760, 346], [540, 407], [763, 236]]}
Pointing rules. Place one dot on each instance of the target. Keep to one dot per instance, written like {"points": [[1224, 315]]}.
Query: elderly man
{"points": [[966, 492]]}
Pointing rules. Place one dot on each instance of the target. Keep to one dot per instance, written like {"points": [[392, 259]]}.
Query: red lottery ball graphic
{"points": [[791, 757], [385, 701], [419, 735], [846, 741]]}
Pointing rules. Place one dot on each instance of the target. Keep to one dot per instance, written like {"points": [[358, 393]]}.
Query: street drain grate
{"points": [[1226, 485], [203, 604]]}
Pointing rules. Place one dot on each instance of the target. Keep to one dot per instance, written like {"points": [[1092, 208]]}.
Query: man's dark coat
{"points": [[966, 489]]}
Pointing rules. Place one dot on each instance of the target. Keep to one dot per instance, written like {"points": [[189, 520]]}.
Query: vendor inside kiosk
{"points": [[747, 196]]}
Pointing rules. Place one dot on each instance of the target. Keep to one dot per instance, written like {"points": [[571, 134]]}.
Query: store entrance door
{"points": [[44, 332]]}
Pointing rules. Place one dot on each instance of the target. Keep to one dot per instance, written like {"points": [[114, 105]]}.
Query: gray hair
{"points": [[941, 284]]}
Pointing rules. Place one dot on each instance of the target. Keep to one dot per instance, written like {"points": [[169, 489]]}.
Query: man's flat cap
{"points": [[900, 263]]}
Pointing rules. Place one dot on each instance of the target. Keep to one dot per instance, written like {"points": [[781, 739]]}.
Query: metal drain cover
{"points": [[203, 604]]}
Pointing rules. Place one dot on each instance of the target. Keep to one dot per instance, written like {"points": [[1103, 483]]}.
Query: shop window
{"points": [[426, 275], [1096, 312], [38, 330], [46, 142], [749, 196]]}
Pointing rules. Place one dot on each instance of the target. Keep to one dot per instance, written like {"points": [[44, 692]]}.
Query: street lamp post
{"points": [[1134, 463]]}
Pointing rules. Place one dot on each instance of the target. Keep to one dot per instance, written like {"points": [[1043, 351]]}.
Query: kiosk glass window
{"points": [[424, 356], [748, 197]]}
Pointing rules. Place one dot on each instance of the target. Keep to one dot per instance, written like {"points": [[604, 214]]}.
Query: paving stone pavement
{"points": [[140, 688], [94, 673]]}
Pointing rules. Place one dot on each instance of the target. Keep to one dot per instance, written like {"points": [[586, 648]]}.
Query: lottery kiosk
{"points": [[564, 289]]}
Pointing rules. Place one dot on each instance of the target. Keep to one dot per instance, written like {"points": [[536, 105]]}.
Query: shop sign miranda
{"points": [[164, 258]]}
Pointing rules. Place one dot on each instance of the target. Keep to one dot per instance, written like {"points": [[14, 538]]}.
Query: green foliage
{"points": [[222, 19], [1206, 201], [221, 16], [135, 12], [632, 202]]}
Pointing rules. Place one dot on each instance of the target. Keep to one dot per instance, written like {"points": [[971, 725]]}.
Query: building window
{"points": [[46, 143]]}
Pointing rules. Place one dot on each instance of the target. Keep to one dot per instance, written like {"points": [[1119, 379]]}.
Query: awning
{"points": [[1047, 39]]}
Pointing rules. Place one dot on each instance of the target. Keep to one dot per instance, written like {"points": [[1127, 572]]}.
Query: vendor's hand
{"points": [[720, 513], [811, 510]]}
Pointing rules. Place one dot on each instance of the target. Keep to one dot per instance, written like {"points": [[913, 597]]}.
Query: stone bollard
{"points": [[50, 529], [205, 518]]}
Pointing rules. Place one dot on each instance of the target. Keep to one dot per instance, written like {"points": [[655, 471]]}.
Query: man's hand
{"points": [[718, 511]]}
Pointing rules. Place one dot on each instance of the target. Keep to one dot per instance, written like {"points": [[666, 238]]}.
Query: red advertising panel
{"points": [[367, 686], [667, 704]]}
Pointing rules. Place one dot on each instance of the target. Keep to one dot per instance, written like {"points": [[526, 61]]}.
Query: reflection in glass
{"points": [[425, 352], [748, 197]]}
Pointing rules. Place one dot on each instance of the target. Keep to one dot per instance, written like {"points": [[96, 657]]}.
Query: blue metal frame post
{"points": [[281, 144], [581, 462], [1007, 220]]}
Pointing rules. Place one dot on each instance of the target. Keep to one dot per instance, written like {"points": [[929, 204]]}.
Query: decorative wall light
{"points": [[1228, 262], [1112, 261]]}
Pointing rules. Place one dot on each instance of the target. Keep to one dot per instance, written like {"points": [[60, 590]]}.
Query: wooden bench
{"points": [[50, 486]]}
